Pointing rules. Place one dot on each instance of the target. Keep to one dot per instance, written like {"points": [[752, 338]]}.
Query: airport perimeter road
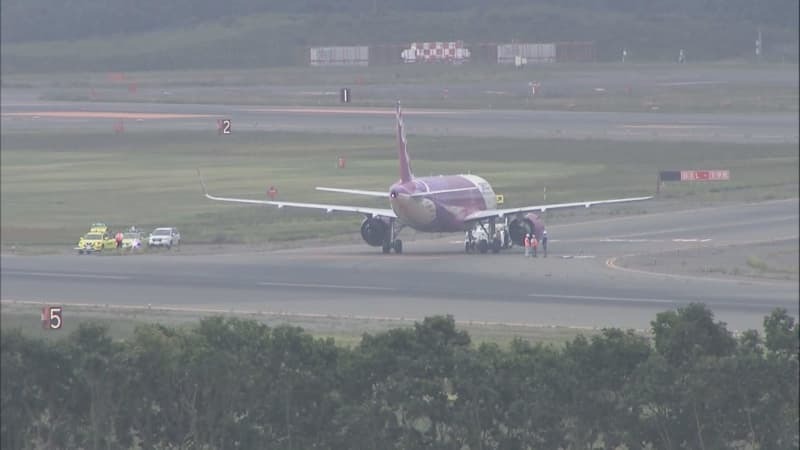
{"points": [[750, 128], [574, 286]]}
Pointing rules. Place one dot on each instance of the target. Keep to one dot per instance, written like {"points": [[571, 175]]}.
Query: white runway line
{"points": [[630, 240], [65, 275], [325, 286]]}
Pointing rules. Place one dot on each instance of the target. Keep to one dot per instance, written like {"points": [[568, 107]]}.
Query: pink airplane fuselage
{"points": [[440, 211]]}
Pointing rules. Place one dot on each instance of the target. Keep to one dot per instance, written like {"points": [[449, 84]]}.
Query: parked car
{"points": [[132, 240], [99, 227], [164, 237], [93, 242]]}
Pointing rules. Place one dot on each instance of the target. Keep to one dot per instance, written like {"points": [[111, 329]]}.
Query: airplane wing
{"points": [[373, 212], [500, 213], [355, 192]]}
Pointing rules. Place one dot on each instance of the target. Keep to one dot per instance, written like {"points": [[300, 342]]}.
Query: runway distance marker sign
{"points": [[692, 175], [224, 126], [705, 175], [52, 317]]}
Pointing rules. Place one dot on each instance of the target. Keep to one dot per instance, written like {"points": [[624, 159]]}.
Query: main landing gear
{"points": [[485, 237], [390, 242]]}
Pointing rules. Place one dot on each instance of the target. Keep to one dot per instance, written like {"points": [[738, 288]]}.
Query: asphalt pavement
{"points": [[577, 285]]}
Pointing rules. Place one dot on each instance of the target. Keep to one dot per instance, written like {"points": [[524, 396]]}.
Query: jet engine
{"points": [[521, 226], [374, 231], [518, 228]]}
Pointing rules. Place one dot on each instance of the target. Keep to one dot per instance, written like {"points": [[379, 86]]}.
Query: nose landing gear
{"points": [[390, 242]]}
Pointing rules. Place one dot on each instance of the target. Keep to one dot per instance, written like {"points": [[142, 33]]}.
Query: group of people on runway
{"points": [[532, 244]]}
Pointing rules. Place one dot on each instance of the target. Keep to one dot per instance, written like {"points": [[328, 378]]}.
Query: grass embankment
{"points": [[55, 185], [346, 331]]}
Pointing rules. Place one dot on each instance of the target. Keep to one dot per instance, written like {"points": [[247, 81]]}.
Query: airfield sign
{"points": [[705, 175]]}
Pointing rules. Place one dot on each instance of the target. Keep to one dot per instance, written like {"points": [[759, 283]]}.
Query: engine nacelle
{"points": [[518, 228], [521, 226], [374, 231]]}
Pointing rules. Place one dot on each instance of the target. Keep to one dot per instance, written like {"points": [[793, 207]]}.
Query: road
{"points": [[577, 285]]}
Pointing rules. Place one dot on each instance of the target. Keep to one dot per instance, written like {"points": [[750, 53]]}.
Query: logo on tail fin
{"points": [[405, 163]]}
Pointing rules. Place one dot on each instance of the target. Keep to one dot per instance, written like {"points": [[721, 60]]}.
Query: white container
{"points": [[339, 56], [533, 53]]}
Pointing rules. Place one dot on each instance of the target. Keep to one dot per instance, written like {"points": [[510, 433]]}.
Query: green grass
{"points": [[55, 185], [757, 263], [492, 86], [346, 332]]}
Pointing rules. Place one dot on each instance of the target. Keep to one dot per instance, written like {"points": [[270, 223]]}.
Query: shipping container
{"points": [[339, 56], [575, 52], [533, 53]]}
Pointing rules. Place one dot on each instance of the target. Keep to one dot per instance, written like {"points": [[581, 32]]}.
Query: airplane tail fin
{"points": [[402, 151]]}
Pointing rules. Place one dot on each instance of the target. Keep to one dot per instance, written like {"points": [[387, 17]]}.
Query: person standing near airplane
{"points": [[527, 245], [544, 243], [534, 244]]}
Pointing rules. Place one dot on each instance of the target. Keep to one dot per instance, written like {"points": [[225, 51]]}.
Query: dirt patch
{"points": [[774, 260]]}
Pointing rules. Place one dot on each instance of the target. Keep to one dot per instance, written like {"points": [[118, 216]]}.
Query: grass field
{"points": [[576, 87], [346, 331], [55, 185]]}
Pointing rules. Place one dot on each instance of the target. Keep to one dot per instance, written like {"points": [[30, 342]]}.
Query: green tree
{"points": [[600, 370], [782, 334], [684, 336]]}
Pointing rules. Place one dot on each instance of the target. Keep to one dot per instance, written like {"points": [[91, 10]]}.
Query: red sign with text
{"points": [[705, 175]]}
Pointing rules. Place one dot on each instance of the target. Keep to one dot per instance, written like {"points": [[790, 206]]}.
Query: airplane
{"points": [[437, 204]]}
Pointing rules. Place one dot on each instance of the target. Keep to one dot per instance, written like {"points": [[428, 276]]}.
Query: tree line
{"points": [[231, 383], [38, 20]]}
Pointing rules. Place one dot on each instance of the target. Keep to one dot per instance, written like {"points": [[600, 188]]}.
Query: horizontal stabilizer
{"points": [[385, 194], [372, 212], [442, 191]]}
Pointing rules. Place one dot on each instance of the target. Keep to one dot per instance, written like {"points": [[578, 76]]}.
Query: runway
{"points": [[24, 114], [577, 285]]}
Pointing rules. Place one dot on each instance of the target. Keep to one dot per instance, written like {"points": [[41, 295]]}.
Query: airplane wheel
{"points": [[483, 246], [398, 246], [386, 247]]}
